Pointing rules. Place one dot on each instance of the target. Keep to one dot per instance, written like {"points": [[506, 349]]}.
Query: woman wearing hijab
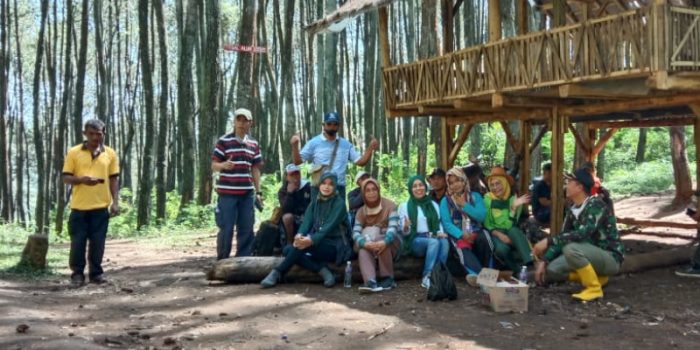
{"points": [[502, 211], [419, 219], [375, 236], [462, 212], [321, 236]]}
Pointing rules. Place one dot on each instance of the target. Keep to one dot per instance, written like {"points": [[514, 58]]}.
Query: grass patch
{"points": [[12, 243], [645, 178]]}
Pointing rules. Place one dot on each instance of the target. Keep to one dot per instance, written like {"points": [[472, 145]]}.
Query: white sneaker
{"points": [[426, 282]]}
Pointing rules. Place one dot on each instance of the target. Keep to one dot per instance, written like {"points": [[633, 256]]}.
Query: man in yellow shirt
{"points": [[92, 169]]}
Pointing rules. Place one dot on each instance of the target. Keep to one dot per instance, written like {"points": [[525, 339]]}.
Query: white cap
{"points": [[244, 112], [360, 174], [291, 168]]}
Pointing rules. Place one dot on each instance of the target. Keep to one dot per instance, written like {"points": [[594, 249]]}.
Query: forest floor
{"points": [[157, 298]]}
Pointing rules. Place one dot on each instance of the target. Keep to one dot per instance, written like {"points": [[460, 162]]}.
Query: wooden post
{"points": [[494, 20], [558, 126], [384, 37], [457, 145], [522, 18], [558, 13], [446, 142], [524, 152]]}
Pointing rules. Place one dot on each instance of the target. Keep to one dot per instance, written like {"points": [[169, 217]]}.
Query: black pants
{"points": [[315, 260], [696, 258], [87, 226]]}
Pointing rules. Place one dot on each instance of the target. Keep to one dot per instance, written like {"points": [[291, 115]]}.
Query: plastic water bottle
{"points": [[523, 275], [348, 275]]}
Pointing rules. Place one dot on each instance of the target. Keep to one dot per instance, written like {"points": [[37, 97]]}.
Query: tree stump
{"points": [[34, 253]]}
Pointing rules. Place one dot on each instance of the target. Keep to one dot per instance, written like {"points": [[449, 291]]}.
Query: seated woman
{"points": [[376, 238], [419, 218], [320, 238], [502, 211], [462, 212]]}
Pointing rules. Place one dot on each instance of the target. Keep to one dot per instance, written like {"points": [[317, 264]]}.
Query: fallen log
{"points": [[657, 223], [254, 269]]}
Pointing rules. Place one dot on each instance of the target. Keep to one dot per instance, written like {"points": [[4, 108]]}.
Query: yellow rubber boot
{"points": [[573, 277], [589, 279]]}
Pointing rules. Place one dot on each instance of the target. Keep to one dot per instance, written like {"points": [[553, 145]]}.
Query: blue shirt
{"points": [[541, 190], [319, 151]]}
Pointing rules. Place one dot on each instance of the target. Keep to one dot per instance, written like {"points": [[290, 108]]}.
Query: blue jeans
{"points": [[87, 226], [235, 211], [433, 249]]}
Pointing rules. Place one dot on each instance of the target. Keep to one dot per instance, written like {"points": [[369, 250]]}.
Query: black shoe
{"points": [[370, 287], [387, 283], [689, 272], [77, 280], [98, 279]]}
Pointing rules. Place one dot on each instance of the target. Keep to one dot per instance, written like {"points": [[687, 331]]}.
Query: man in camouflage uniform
{"points": [[588, 249]]}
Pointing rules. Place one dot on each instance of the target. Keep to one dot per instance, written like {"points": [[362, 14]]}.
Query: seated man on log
{"points": [[355, 200], [541, 196], [294, 197], [588, 249]]}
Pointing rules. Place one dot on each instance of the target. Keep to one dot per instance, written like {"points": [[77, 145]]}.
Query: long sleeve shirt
{"points": [[324, 218], [474, 208], [500, 219], [594, 224]]}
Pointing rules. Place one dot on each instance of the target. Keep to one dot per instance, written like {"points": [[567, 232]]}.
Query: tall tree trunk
{"points": [[163, 109], [641, 145], [40, 215], [5, 198], [80, 79], [286, 109], [601, 166], [426, 49], [211, 99], [146, 176], [329, 73], [185, 103], [681, 174], [63, 116], [103, 84]]}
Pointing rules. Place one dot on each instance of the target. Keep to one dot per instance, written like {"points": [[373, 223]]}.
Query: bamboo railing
{"points": [[632, 43]]}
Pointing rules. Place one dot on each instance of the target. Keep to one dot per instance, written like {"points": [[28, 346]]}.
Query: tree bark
{"points": [[5, 199], [80, 79], [681, 173], [185, 104], [161, 152], [210, 103], [63, 117], [146, 175], [641, 145]]}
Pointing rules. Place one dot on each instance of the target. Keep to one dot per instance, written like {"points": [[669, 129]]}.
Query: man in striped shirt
{"points": [[237, 158]]}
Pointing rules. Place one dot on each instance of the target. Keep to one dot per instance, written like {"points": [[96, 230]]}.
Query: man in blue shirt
{"points": [[319, 151]]}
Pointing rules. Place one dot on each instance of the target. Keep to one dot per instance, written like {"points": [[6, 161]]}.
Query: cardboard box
{"points": [[503, 296]]}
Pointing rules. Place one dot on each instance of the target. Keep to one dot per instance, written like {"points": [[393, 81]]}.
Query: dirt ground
{"points": [[158, 298]]}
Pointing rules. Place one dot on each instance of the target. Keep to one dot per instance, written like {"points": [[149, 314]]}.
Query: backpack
{"points": [[266, 239], [441, 284]]}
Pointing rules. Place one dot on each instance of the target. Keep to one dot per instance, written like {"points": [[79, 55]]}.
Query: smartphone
{"points": [[690, 212], [101, 181]]}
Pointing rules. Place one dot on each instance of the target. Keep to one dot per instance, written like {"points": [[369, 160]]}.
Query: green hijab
{"points": [[425, 203]]}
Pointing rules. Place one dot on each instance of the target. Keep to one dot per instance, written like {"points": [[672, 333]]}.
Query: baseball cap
{"points": [[583, 177], [331, 117], [437, 172], [244, 112], [360, 174], [292, 168]]}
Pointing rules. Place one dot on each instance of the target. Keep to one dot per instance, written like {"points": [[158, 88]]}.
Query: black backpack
{"points": [[266, 239], [441, 284]]}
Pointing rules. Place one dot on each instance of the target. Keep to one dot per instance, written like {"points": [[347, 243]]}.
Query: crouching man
{"points": [[588, 249]]}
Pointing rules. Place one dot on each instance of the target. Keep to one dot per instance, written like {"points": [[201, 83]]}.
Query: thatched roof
{"points": [[346, 11]]}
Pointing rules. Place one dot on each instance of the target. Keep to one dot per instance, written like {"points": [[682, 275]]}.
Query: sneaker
{"points": [[387, 283], [471, 280], [271, 279], [77, 279], [689, 272], [370, 287], [426, 282], [99, 279]]}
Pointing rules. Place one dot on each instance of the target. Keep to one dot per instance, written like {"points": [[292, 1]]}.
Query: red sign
{"points": [[245, 48]]}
